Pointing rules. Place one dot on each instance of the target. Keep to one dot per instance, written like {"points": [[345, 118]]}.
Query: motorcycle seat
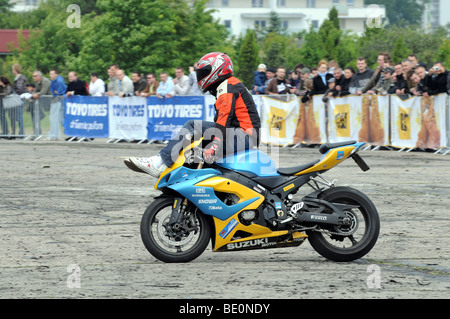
{"points": [[295, 169], [328, 146]]}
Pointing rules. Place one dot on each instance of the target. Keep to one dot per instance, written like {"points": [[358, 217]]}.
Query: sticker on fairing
{"points": [[228, 228]]}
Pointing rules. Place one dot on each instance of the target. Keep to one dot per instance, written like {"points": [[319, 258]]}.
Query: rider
{"points": [[236, 123]]}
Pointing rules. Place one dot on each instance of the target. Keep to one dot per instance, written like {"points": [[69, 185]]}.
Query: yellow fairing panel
{"points": [[329, 160], [225, 185], [256, 230]]}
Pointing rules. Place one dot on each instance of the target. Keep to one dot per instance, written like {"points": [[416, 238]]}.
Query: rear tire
{"points": [[359, 243], [169, 245]]}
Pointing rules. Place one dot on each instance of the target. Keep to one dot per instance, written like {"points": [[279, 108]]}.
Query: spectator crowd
{"points": [[404, 78], [55, 88]]}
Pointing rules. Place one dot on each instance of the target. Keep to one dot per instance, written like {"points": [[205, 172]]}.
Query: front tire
{"points": [[169, 244], [343, 244]]}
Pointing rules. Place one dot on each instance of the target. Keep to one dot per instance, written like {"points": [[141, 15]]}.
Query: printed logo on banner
{"points": [[86, 116], [404, 123], [277, 119], [128, 118], [342, 120], [167, 116]]}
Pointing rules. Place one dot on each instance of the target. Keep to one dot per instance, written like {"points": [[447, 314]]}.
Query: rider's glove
{"points": [[211, 151]]}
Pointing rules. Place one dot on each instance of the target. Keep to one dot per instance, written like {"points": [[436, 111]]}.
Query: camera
{"points": [[436, 68]]}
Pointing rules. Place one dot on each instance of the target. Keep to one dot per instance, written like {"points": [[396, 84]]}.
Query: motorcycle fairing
{"points": [[248, 198], [332, 157], [250, 161], [257, 236], [181, 159]]}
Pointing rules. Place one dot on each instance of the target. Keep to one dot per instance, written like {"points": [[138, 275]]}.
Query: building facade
{"points": [[436, 14], [295, 15], [24, 5]]}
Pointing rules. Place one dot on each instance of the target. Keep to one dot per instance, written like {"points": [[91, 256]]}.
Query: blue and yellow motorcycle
{"points": [[243, 202]]}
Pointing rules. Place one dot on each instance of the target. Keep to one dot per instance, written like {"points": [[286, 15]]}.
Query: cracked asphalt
{"points": [[70, 215]]}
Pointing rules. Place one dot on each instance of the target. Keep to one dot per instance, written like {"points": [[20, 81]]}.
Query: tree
{"points": [[401, 12], [330, 34], [52, 45], [5, 6], [149, 35], [312, 50], [400, 51], [274, 47], [248, 58], [274, 24]]}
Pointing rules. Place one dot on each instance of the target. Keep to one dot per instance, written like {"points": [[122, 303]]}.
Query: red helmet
{"points": [[213, 68]]}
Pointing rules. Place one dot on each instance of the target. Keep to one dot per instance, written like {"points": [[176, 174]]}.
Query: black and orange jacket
{"points": [[235, 107]]}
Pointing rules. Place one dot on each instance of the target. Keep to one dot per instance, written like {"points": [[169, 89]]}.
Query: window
{"points": [[227, 24], [257, 3], [281, 3], [315, 24], [260, 23], [224, 3], [335, 2], [285, 24], [310, 3], [350, 3]]}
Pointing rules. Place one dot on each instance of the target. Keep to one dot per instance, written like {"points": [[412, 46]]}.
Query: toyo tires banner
{"points": [[418, 122], [86, 116]]}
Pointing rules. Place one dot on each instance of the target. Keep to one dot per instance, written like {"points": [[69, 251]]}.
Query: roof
{"points": [[8, 36]]}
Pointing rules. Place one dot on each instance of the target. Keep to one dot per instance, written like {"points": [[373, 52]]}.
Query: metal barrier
{"points": [[34, 120]]}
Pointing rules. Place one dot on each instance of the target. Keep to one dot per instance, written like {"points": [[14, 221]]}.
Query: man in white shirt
{"points": [[97, 86], [181, 82], [126, 87]]}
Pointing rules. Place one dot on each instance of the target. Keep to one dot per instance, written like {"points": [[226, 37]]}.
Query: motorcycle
{"points": [[243, 202]]}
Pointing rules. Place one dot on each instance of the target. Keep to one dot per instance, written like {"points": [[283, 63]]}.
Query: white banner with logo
{"points": [[419, 122], [128, 118], [360, 118], [278, 120]]}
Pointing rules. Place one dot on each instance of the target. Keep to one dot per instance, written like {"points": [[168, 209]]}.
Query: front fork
{"points": [[177, 219]]}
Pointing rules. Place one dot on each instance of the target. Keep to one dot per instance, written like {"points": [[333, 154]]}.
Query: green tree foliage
{"points": [[401, 12], [143, 35], [157, 35], [5, 5], [312, 50], [400, 51], [149, 36], [248, 58], [329, 43]]}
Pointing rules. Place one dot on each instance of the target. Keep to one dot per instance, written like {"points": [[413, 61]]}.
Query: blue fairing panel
{"points": [[251, 161], [183, 180]]}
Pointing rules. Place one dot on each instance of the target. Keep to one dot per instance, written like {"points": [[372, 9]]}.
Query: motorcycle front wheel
{"points": [[349, 242], [174, 244]]}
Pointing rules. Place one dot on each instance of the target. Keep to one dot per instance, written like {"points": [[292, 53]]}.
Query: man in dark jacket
{"points": [[437, 80], [75, 86], [361, 78]]}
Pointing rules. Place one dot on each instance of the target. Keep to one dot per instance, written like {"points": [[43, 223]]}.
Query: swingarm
{"points": [[315, 211]]}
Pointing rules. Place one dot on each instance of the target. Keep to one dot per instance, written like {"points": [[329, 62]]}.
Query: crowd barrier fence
{"points": [[401, 123]]}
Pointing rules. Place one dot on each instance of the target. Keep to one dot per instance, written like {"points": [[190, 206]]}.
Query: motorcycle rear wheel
{"points": [[354, 241], [173, 245]]}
